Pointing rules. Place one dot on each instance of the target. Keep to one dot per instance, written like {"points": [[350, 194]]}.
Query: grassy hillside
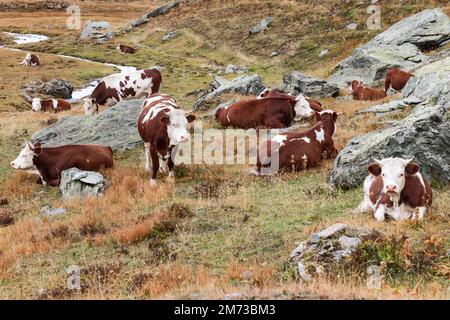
{"points": [[217, 231]]}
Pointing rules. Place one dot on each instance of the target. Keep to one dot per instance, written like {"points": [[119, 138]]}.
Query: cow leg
{"points": [[155, 166], [170, 165], [147, 156], [379, 213], [419, 213]]}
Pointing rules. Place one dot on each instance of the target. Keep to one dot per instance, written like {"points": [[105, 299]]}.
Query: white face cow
{"points": [[36, 104], [89, 106], [263, 94], [302, 108], [24, 160], [393, 172], [177, 123]]}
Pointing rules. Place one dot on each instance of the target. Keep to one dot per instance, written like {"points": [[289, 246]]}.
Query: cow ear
{"points": [[190, 117], [412, 168], [335, 115], [37, 148], [317, 116], [165, 119], [375, 169]]}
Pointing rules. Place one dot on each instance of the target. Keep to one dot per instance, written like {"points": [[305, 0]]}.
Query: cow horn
{"points": [[408, 160], [377, 161], [30, 145]]}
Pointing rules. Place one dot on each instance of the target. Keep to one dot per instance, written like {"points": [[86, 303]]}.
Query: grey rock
{"points": [[349, 243], [296, 82], [428, 28], [384, 108], [262, 26], [323, 53], [352, 26], [57, 88], [328, 232], [431, 82], [47, 211], [245, 84], [223, 105], [162, 10], [369, 64], [170, 35], [274, 54], [76, 183], [115, 127], [301, 269], [231, 68], [298, 251], [424, 134], [97, 30]]}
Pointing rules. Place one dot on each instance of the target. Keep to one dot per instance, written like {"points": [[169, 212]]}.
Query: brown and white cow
{"points": [[125, 49], [123, 86], [162, 125], [50, 162], [396, 187], [55, 105], [361, 92], [299, 150], [396, 79], [270, 112], [31, 60], [266, 93]]}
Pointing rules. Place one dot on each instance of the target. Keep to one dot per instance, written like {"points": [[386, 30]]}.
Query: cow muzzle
{"points": [[391, 188]]}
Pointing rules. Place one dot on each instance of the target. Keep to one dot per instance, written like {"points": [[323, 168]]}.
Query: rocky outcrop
{"points": [[162, 10], [369, 64], [101, 31], [262, 26], [431, 82], [398, 46], [427, 29], [424, 134], [33, 6], [327, 247], [169, 36], [57, 88], [76, 183], [246, 85], [231, 68], [115, 127], [296, 82]]}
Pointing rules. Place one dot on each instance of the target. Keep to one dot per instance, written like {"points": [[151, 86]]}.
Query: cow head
{"points": [[36, 104], [89, 106], [24, 160], [302, 108], [393, 171], [263, 94], [118, 47], [177, 122], [354, 84]]}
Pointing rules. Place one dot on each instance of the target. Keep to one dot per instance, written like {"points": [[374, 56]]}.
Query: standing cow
{"points": [[396, 79], [50, 162], [162, 125], [123, 86], [270, 112], [55, 105], [299, 150], [31, 60], [396, 187]]}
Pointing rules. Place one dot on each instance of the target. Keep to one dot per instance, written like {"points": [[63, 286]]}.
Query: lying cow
{"points": [[125, 49], [50, 162], [396, 187], [270, 112], [55, 105], [31, 60], [266, 93], [299, 150], [162, 125], [123, 86], [396, 79], [361, 92]]}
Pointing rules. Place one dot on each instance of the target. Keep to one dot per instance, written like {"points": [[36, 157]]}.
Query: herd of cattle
{"points": [[393, 187]]}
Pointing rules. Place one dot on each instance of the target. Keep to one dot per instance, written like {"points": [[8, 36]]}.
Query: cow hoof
{"points": [[153, 183]]}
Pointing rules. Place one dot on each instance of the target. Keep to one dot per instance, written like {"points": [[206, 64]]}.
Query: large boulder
{"points": [[115, 127], [76, 183], [427, 29], [424, 134], [398, 46], [100, 31], [57, 88], [159, 11], [369, 64], [431, 81], [297, 82], [246, 85]]}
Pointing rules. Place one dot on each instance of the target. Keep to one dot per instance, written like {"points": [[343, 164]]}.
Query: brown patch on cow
{"points": [[128, 92], [360, 92], [396, 78]]}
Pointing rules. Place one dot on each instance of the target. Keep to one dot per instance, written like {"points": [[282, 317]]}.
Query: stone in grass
{"points": [[76, 183], [328, 232], [48, 211]]}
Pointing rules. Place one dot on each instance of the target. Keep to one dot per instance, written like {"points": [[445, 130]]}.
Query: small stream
{"points": [[77, 94]]}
